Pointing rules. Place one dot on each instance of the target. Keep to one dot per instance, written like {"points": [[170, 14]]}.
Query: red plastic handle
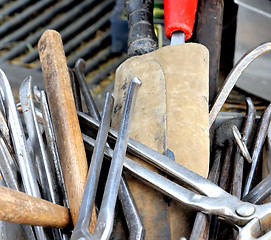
{"points": [[180, 16]]}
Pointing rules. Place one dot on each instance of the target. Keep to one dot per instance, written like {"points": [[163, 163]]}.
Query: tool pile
{"points": [[158, 178], [42, 156], [230, 160]]}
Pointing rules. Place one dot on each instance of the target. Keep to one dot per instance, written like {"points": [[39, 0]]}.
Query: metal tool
{"points": [[224, 176], [18, 138], [79, 67], [240, 142], [260, 192], [75, 90], [5, 135], [106, 216], [81, 230], [151, 156], [263, 189], [134, 223], [260, 138], [224, 183], [8, 173], [45, 167], [136, 228], [20, 145], [4, 130], [11, 179], [218, 196], [51, 142], [44, 117], [148, 154], [179, 19], [201, 225], [38, 113], [232, 78], [34, 135], [8, 165], [2, 107], [238, 166], [216, 201]]}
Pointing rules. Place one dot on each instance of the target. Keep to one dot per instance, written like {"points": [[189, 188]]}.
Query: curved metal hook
{"points": [[232, 78]]}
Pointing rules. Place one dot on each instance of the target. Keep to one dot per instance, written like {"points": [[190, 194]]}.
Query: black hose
{"points": [[141, 38]]}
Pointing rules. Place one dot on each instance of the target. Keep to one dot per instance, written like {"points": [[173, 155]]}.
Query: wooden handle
{"points": [[65, 121], [21, 208]]}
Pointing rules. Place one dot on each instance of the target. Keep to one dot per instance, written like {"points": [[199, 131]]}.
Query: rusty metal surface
{"points": [[209, 23]]}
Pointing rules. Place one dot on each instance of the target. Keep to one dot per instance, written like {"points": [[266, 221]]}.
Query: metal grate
{"points": [[83, 25]]}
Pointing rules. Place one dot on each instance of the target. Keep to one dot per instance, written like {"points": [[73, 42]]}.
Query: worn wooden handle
{"points": [[21, 208], [65, 122]]}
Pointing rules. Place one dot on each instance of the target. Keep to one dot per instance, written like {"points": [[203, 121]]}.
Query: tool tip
{"points": [[177, 37], [137, 81]]}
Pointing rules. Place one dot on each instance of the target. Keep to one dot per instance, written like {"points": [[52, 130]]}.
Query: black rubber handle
{"points": [[141, 38]]}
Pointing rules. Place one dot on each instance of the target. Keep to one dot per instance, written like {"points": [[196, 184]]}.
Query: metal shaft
{"points": [[48, 183], [224, 176], [201, 225], [34, 133], [52, 148], [210, 205], [240, 143], [106, 216], [238, 166], [224, 183], [136, 229], [260, 138], [177, 37], [263, 189], [18, 138], [20, 145], [75, 90], [81, 230], [135, 226], [79, 67], [260, 192], [4, 130], [10, 178], [161, 161]]}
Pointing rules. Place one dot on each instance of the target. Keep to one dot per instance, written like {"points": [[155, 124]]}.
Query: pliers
{"points": [[252, 221]]}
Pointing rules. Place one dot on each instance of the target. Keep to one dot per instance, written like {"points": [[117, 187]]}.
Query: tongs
{"points": [[252, 221]]}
